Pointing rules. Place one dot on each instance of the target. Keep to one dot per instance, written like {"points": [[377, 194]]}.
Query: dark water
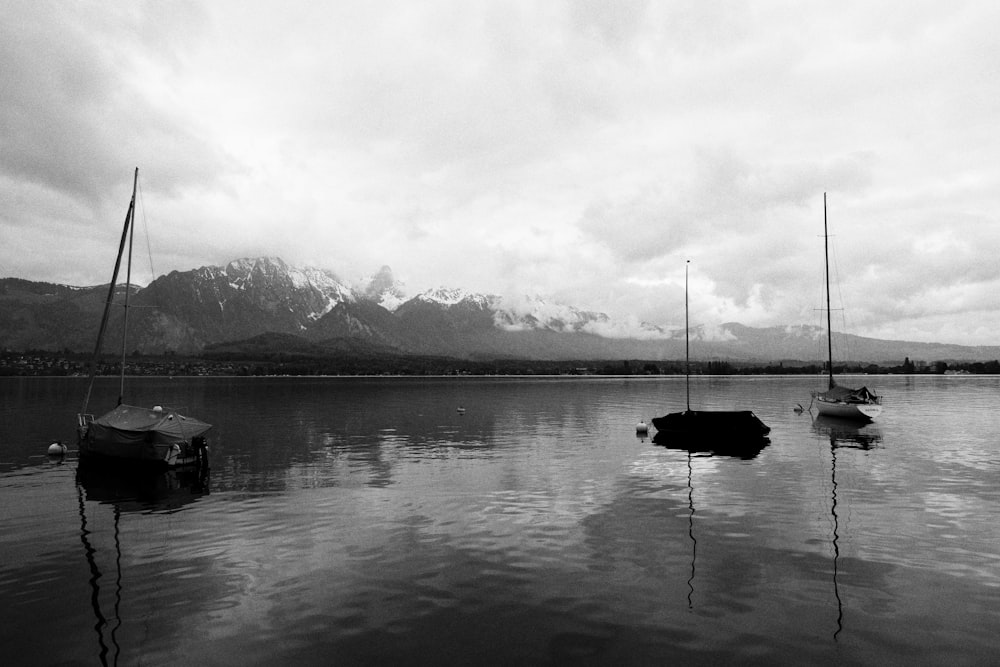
{"points": [[367, 521]]}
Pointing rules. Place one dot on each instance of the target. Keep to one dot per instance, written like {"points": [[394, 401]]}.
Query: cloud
{"points": [[582, 150], [77, 109]]}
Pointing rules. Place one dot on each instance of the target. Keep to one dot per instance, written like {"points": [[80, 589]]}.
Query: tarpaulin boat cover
{"points": [[733, 423], [837, 393], [128, 424]]}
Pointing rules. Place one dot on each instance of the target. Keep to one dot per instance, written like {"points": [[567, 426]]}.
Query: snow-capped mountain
{"points": [[256, 281], [245, 298], [185, 311]]}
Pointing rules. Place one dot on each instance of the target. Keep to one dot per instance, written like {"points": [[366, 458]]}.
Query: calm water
{"points": [[367, 521]]}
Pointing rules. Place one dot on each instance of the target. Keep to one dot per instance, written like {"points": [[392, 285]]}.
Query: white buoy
{"points": [[57, 449], [641, 427]]}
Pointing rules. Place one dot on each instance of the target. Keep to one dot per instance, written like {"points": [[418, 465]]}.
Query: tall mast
{"points": [[128, 284], [687, 351], [829, 328], [111, 296]]}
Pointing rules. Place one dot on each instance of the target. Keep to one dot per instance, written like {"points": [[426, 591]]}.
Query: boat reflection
{"points": [[125, 490], [842, 435], [143, 490], [732, 446]]}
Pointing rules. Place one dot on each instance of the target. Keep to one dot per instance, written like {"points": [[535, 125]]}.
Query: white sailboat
{"points": [[157, 436], [856, 404]]}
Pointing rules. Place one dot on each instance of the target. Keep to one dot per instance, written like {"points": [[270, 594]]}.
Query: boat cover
{"points": [[847, 395], [130, 424], [733, 423]]}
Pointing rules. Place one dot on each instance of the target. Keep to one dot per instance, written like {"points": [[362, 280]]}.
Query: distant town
{"points": [[44, 363]]}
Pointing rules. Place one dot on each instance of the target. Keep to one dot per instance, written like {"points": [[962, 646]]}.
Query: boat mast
{"points": [[687, 351], [128, 285], [111, 296], [829, 328]]}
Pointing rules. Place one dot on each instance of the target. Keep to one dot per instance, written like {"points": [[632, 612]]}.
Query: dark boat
{"points": [[712, 424], [708, 429], [155, 436], [740, 445]]}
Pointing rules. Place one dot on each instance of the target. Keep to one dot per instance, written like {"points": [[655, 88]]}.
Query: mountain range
{"points": [[263, 303]]}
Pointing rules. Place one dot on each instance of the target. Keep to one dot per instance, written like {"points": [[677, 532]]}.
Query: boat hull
{"points": [[864, 412], [742, 423], [738, 433], [157, 455]]}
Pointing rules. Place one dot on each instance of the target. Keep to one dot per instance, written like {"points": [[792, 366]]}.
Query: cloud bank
{"points": [[581, 150]]}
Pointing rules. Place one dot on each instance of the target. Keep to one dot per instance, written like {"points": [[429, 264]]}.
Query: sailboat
{"points": [[711, 428], [157, 436], [857, 404]]}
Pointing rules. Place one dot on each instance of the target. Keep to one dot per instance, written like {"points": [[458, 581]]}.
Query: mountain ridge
{"points": [[190, 311]]}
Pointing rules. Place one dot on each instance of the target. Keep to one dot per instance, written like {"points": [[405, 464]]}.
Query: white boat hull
{"points": [[843, 410]]}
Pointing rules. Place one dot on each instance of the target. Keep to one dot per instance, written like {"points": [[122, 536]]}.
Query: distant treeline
{"points": [[35, 362]]}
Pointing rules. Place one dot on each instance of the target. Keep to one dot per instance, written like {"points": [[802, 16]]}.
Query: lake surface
{"points": [[367, 521]]}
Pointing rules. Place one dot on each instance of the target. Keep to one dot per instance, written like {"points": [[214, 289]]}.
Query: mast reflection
{"points": [[842, 435], [126, 491], [694, 542], [744, 448]]}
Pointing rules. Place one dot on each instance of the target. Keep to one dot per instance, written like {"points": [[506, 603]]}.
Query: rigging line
{"points": [[110, 300], [840, 343], [128, 290], [840, 297], [824, 344], [846, 352], [145, 229]]}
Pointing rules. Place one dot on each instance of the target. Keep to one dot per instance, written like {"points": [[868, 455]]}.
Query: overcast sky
{"points": [[579, 150]]}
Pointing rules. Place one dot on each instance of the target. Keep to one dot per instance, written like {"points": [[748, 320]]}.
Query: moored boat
{"points": [[858, 404], [709, 427], [131, 434], [156, 436], [842, 402]]}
